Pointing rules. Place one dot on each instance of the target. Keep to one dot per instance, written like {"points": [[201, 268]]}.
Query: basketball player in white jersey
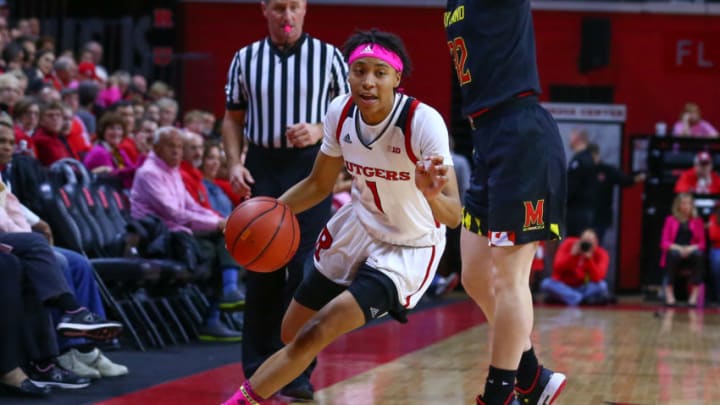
{"points": [[378, 253]]}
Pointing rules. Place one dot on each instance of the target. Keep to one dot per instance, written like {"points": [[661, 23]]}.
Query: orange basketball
{"points": [[262, 234]]}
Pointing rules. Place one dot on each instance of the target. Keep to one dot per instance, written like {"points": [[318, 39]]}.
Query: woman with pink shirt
{"points": [[683, 247], [106, 158], [691, 124]]}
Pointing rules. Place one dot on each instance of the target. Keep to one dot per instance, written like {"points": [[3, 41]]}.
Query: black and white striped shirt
{"points": [[277, 88]]}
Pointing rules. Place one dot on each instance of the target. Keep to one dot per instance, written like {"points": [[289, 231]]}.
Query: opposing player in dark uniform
{"points": [[517, 193]]}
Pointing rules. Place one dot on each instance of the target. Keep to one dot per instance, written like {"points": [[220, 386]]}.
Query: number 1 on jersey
{"points": [[376, 197], [458, 50]]}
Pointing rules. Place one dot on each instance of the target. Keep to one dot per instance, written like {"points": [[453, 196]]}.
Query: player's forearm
{"points": [[304, 195], [446, 210], [233, 140]]}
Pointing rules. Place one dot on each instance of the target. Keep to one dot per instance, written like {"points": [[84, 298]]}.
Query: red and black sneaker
{"points": [[546, 387]]}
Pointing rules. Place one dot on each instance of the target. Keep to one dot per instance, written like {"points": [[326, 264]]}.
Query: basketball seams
{"points": [[278, 227], [274, 245], [252, 221]]}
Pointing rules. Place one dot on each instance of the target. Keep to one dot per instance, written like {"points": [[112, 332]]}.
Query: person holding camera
{"points": [[579, 272]]}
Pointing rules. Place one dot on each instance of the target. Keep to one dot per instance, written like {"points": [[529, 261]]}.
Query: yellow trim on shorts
{"points": [[471, 223]]}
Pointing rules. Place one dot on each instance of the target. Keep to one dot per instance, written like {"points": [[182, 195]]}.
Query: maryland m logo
{"points": [[534, 215]]}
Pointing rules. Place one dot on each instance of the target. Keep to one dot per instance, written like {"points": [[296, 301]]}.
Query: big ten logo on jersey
{"points": [[534, 214], [324, 241], [393, 149], [502, 238]]}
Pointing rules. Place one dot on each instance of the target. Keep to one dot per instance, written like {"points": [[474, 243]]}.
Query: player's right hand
{"points": [[241, 179]]}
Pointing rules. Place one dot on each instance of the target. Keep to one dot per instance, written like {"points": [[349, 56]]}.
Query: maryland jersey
{"points": [[381, 158], [493, 45]]}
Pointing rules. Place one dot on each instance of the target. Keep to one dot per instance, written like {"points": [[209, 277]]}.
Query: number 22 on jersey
{"points": [[458, 50]]}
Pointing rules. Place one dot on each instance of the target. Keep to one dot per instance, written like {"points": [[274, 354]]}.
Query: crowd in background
{"points": [[126, 130]]}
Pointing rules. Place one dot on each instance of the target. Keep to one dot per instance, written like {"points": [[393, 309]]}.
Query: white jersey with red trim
{"points": [[381, 158]]}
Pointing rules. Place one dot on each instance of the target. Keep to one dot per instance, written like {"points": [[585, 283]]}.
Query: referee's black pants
{"points": [[269, 294]]}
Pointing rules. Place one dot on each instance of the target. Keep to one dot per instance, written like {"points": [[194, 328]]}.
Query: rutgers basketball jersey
{"points": [[381, 158]]}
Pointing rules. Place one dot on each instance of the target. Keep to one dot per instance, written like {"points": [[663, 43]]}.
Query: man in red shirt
{"points": [[192, 176], [51, 144], [579, 272], [700, 179]]}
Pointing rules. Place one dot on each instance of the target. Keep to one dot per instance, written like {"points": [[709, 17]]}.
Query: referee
{"points": [[277, 93]]}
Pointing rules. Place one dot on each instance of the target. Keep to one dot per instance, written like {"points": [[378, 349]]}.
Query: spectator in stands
{"points": [[78, 272], [43, 66], [608, 176], [128, 144], [81, 357], [714, 236], [50, 141], [13, 379], [158, 90], [158, 190], [143, 138], [219, 200], [168, 112], [26, 115], [74, 131], [139, 83], [41, 272], [9, 92], [113, 91], [23, 28], [683, 247], [22, 79], [95, 51], [66, 72], [189, 168], [5, 37], [194, 121], [579, 272], [699, 179], [87, 109], [106, 157], [138, 109], [28, 45], [692, 124], [581, 178], [209, 122], [153, 112], [13, 55], [87, 71], [46, 42]]}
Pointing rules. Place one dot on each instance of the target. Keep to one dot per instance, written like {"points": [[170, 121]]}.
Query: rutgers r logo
{"points": [[534, 215]]}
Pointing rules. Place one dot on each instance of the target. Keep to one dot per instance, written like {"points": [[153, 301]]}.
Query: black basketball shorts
{"points": [[519, 182]]}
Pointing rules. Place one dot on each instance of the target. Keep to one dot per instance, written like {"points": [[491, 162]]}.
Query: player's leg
{"points": [[338, 317], [526, 188], [477, 271], [315, 291]]}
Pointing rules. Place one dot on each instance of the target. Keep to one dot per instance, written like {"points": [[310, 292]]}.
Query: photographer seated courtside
{"points": [[579, 271]]}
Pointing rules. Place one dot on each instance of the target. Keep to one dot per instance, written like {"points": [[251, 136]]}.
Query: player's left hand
{"points": [[303, 134], [431, 176]]}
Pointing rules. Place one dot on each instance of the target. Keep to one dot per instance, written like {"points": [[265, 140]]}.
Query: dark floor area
{"points": [[146, 369]]}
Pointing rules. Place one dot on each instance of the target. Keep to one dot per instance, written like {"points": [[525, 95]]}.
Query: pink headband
{"points": [[369, 50]]}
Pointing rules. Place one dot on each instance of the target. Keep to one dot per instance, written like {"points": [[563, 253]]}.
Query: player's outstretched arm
{"points": [[438, 184], [318, 185]]}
